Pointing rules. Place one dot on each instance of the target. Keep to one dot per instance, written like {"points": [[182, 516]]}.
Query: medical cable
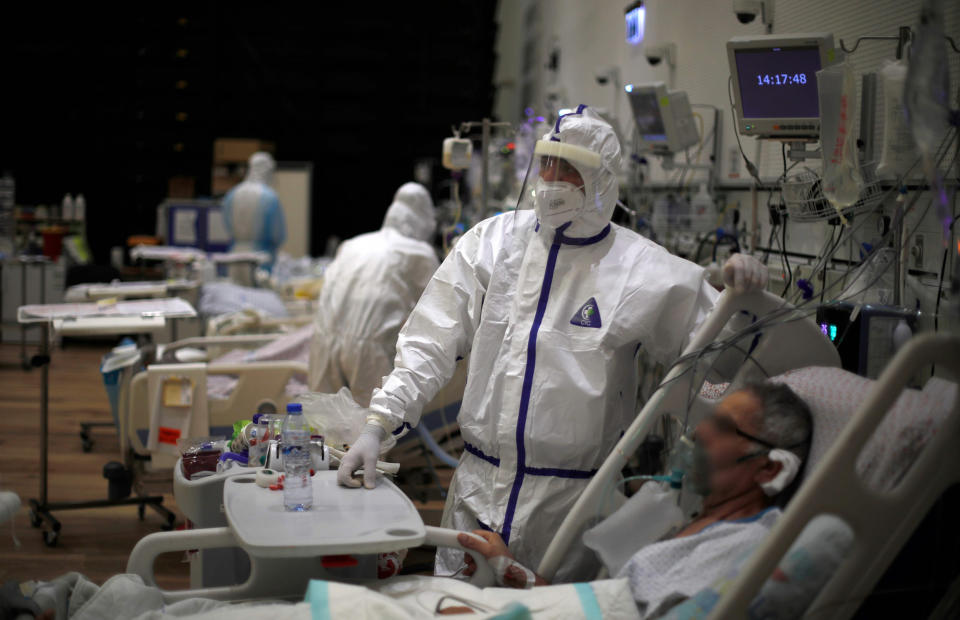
{"points": [[456, 218], [948, 140], [894, 189], [781, 315], [751, 168]]}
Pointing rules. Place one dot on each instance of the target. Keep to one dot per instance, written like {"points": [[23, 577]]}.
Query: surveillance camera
{"points": [[604, 75], [657, 53], [748, 10]]}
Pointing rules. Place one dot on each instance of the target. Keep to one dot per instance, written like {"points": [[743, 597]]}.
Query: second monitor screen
{"points": [[646, 112]]}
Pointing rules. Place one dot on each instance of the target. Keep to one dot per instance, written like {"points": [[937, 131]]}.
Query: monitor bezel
{"points": [[786, 127]]}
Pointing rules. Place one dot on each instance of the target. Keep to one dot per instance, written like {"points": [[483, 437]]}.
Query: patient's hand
{"points": [[493, 546], [514, 577]]}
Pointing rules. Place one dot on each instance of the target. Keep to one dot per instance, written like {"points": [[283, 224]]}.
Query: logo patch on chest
{"points": [[588, 315]]}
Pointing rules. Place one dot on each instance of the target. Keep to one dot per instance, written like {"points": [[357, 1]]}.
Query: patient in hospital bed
{"points": [[754, 445]]}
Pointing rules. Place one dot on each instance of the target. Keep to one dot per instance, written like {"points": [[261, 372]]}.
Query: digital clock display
{"points": [[778, 82], [781, 79]]}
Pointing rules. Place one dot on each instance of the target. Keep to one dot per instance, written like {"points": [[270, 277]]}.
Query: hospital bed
{"points": [[882, 515], [250, 321], [809, 348], [237, 390], [260, 386], [881, 521]]}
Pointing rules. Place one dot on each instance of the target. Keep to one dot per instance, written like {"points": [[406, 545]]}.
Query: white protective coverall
{"points": [[553, 321], [368, 292], [252, 212]]}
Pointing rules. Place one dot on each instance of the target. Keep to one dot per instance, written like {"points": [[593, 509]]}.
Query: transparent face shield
{"points": [[560, 183]]}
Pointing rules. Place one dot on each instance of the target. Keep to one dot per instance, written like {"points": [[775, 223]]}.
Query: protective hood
{"points": [[586, 134], [260, 168], [411, 213]]}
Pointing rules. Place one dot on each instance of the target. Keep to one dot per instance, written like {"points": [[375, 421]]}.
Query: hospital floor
{"points": [[94, 542]]}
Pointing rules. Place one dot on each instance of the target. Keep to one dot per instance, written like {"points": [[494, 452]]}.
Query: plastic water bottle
{"points": [[79, 208], [297, 483], [66, 207], [258, 440]]}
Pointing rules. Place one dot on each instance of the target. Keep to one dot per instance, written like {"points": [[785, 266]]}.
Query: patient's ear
{"points": [[767, 471]]}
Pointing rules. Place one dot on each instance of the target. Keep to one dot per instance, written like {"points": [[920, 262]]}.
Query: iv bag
{"points": [[928, 81], [926, 100], [899, 149], [842, 181]]}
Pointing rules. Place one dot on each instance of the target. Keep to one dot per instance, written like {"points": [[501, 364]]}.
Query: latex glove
{"points": [[744, 274], [363, 453]]}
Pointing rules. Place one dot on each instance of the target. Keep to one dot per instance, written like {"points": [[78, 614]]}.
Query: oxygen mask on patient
{"points": [[690, 466]]}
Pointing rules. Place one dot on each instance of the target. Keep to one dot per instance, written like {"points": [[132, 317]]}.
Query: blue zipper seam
{"points": [[528, 384]]}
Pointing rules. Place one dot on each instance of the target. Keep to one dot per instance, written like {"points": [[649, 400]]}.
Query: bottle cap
{"points": [[294, 408]]}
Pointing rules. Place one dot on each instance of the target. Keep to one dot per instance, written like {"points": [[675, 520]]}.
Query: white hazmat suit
{"points": [[368, 292], [252, 212], [553, 321]]}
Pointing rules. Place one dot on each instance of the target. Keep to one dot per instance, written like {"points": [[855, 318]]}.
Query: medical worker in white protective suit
{"points": [[252, 212], [368, 293], [553, 305]]}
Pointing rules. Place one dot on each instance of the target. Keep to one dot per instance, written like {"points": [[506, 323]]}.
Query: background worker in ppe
{"points": [[552, 304], [368, 292], [252, 212]]}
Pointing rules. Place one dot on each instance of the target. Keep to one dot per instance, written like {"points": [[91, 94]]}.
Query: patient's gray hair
{"points": [[786, 421]]}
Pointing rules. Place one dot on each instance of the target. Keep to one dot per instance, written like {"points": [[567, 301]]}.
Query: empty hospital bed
{"points": [[234, 377]]}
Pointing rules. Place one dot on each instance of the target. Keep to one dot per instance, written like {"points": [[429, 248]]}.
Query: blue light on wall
{"points": [[635, 16]]}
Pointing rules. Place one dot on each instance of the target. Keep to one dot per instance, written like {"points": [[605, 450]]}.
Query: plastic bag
{"points": [[842, 181], [200, 455], [872, 282], [337, 417], [926, 98], [899, 150], [928, 81]]}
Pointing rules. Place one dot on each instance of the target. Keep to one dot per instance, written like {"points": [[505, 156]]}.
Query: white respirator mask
{"points": [[558, 202]]}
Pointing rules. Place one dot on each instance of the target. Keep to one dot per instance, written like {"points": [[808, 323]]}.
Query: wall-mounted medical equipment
{"points": [[866, 336], [664, 119], [775, 83]]}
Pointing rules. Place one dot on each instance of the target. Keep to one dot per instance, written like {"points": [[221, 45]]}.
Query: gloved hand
{"points": [[363, 453], [744, 274]]}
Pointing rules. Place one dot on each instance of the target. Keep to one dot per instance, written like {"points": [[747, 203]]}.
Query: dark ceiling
{"points": [[112, 102]]}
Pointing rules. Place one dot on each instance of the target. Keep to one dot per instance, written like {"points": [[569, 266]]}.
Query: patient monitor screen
{"points": [[779, 82], [646, 112]]}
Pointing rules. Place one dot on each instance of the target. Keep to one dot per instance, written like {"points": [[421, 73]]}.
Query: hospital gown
{"points": [[666, 573]]}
